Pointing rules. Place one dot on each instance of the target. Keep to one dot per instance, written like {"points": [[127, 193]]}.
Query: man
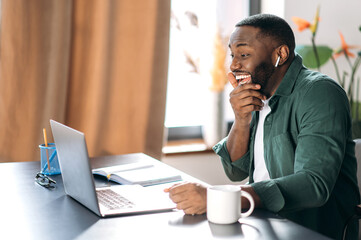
{"points": [[291, 135]]}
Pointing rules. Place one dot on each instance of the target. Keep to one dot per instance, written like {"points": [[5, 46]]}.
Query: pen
{"points": [[50, 160], [46, 145]]}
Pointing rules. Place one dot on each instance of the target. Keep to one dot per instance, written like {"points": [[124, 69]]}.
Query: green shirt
{"points": [[308, 151]]}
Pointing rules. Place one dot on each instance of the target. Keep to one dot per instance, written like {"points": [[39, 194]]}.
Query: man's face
{"points": [[251, 57]]}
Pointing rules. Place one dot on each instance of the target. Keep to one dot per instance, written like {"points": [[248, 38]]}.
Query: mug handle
{"points": [[251, 201]]}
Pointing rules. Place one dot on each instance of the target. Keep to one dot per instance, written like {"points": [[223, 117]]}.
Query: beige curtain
{"points": [[99, 66]]}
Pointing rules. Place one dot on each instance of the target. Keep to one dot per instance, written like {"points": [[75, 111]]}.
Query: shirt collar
{"points": [[286, 86]]}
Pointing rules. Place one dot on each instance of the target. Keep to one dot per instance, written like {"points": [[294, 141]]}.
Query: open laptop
{"points": [[79, 183]]}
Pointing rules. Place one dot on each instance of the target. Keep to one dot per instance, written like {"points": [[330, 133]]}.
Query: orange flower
{"points": [[303, 24], [344, 49]]}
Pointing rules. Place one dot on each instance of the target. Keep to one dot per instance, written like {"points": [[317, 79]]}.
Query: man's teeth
{"points": [[240, 77]]}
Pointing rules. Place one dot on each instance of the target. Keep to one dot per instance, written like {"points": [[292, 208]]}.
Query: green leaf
{"points": [[308, 55]]}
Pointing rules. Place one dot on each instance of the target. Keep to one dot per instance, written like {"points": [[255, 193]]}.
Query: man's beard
{"points": [[262, 74]]}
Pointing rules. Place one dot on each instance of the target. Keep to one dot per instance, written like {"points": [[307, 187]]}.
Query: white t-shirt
{"points": [[260, 171]]}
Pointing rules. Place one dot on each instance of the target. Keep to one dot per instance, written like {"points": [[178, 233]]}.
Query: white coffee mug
{"points": [[224, 204]]}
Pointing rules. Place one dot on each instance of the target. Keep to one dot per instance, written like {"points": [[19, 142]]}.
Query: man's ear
{"points": [[283, 52]]}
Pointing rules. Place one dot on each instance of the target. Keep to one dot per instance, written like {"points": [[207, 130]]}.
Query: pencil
{"points": [[46, 145]]}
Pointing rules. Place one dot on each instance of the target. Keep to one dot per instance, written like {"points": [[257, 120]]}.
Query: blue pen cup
{"points": [[49, 153]]}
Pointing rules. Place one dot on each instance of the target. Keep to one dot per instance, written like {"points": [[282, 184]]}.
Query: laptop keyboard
{"points": [[113, 200]]}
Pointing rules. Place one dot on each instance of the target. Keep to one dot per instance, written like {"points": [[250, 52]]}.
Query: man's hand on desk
{"points": [[192, 197], [189, 197]]}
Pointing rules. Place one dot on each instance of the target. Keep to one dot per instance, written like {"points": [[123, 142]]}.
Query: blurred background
{"points": [[136, 76]]}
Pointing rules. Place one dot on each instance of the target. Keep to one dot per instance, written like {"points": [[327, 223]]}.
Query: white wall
{"points": [[275, 7], [335, 16], [203, 166]]}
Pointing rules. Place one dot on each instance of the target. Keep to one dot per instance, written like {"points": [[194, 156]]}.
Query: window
{"points": [[185, 85], [193, 25]]}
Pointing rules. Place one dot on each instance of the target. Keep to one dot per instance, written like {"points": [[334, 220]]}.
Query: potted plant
{"points": [[314, 56]]}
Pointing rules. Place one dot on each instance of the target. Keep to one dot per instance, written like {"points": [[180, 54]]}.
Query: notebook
{"points": [[138, 173], [79, 183]]}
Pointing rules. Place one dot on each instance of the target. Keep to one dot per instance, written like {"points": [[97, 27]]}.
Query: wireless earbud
{"points": [[278, 60]]}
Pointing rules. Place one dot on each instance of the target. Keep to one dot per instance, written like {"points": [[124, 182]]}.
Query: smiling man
{"points": [[291, 135]]}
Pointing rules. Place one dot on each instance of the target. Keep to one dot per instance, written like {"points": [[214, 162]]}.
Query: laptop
{"points": [[79, 183]]}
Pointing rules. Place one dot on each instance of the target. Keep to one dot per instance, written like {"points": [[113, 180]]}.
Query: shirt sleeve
{"points": [[324, 127], [237, 170]]}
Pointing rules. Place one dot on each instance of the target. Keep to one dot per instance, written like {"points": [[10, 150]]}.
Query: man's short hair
{"points": [[271, 26]]}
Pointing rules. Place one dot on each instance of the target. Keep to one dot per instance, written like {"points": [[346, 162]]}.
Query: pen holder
{"points": [[49, 163]]}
